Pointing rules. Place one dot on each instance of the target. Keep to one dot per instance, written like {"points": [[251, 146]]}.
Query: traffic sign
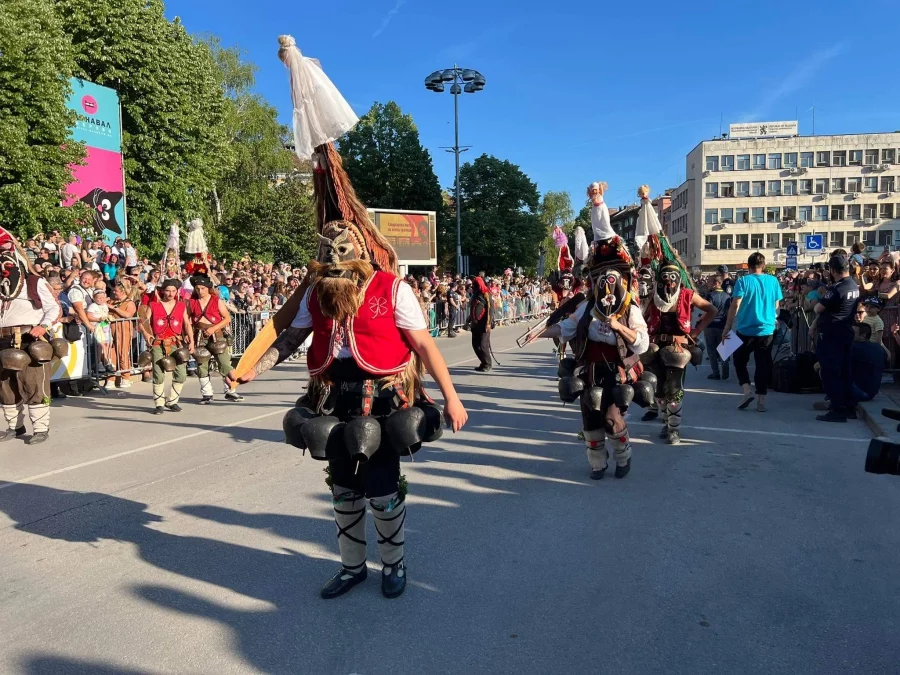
{"points": [[790, 262], [815, 243], [792, 249]]}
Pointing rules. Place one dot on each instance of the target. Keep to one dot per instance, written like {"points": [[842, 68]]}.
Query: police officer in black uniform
{"points": [[836, 313]]}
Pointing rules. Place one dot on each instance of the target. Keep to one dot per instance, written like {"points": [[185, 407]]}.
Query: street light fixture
{"points": [[465, 80]]}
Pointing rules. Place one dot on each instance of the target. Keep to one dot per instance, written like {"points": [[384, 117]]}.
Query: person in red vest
{"points": [[365, 404], [211, 320], [671, 336], [166, 326]]}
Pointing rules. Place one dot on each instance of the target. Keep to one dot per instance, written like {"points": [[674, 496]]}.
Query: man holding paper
{"points": [[754, 307]]}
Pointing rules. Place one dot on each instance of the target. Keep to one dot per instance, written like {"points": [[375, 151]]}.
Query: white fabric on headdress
{"points": [[647, 224], [600, 222], [174, 238], [582, 250], [321, 115], [196, 240]]}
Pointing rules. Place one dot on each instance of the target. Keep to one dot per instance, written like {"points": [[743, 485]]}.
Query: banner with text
{"points": [[413, 234], [760, 129], [100, 183]]}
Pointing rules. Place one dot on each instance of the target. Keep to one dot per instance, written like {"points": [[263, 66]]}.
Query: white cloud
{"points": [[387, 18]]}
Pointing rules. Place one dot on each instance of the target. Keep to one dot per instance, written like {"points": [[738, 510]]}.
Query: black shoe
{"points": [[393, 583], [342, 582], [479, 368], [597, 474], [488, 368], [110, 368], [232, 395], [664, 433], [622, 471], [10, 434], [714, 376], [674, 437], [206, 400], [650, 415], [747, 401], [38, 437], [173, 408], [158, 410], [832, 416]]}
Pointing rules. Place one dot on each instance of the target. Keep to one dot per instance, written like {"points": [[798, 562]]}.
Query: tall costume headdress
{"points": [[196, 246], [171, 264], [14, 268], [656, 253]]}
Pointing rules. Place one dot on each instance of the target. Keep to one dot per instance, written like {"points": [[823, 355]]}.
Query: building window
{"points": [[839, 158], [711, 242], [759, 188], [852, 238], [837, 212], [712, 190], [759, 161], [823, 158], [884, 238], [870, 185], [772, 240], [821, 213], [727, 216], [790, 160], [887, 183], [726, 242], [854, 185], [743, 162], [728, 189], [836, 239], [727, 162], [743, 188], [853, 211], [773, 214], [756, 241], [855, 157], [806, 159], [712, 163], [886, 211], [711, 217], [821, 186], [787, 239], [790, 187], [789, 213], [743, 215], [887, 156], [837, 185], [775, 188], [869, 238], [757, 214], [870, 211], [742, 241], [805, 213], [871, 157], [775, 160], [806, 186]]}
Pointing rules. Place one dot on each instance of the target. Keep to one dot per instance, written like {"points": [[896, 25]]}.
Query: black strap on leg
{"points": [[389, 539], [343, 530]]}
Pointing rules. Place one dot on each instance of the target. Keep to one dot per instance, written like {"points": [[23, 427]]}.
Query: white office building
{"points": [[758, 194]]}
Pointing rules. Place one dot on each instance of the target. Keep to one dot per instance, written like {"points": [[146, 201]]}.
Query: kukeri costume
{"points": [[26, 302], [481, 321]]}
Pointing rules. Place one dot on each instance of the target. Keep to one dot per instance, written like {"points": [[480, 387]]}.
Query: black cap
{"points": [[722, 269], [201, 280], [838, 263]]}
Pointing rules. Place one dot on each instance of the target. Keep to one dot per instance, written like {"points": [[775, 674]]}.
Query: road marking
{"points": [[758, 433]]}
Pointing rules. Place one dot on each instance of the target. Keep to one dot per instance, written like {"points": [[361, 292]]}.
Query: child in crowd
{"points": [[873, 308], [98, 312]]}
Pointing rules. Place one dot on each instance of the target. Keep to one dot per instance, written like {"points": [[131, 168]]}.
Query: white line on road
{"points": [[757, 433]]}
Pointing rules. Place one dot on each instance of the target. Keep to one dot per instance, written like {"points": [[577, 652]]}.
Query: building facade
{"points": [[745, 195]]}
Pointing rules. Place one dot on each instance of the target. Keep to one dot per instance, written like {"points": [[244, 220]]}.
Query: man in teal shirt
{"points": [[752, 314]]}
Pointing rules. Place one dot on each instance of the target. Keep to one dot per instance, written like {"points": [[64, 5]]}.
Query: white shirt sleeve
{"points": [[407, 311], [639, 326], [569, 325], [48, 303], [303, 318]]}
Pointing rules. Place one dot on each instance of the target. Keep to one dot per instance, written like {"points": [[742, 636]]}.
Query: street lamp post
{"points": [[465, 80]]}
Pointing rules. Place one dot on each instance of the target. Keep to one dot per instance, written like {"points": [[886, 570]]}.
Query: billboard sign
{"points": [[100, 183], [413, 234], [763, 129]]}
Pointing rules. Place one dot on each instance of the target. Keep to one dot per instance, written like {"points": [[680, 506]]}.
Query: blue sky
{"points": [[582, 91]]}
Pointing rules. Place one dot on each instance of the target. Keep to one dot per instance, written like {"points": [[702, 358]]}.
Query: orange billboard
{"points": [[411, 233]]}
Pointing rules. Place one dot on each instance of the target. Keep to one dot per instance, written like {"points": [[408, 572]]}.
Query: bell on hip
{"points": [[566, 367], [181, 355], [623, 395], [643, 393], [570, 388], [202, 355], [650, 378], [168, 364], [145, 360], [293, 424], [594, 398], [405, 428], [217, 346], [323, 435], [14, 359], [434, 421], [40, 351], [696, 355], [362, 436], [60, 347]]}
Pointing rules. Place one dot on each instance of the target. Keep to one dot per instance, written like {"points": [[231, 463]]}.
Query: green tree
{"points": [[584, 220], [500, 225], [175, 143], [555, 210], [35, 149]]}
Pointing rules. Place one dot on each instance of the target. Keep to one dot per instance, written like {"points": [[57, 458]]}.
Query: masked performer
{"points": [[27, 310], [668, 316], [166, 325], [481, 321], [365, 405]]}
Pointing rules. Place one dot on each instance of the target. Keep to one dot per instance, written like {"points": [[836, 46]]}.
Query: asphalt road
{"points": [[197, 543]]}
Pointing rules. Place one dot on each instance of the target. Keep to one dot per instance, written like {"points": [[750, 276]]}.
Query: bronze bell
{"points": [[14, 359], [60, 347], [181, 355], [168, 364], [40, 351], [217, 346], [145, 360], [202, 355]]}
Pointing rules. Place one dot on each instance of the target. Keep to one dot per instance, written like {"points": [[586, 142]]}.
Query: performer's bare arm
{"points": [[710, 313], [732, 313], [629, 335], [285, 344], [188, 330], [423, 344]]}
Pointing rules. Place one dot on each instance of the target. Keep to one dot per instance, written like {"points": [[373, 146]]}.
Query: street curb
{"points": [[879, 425]]}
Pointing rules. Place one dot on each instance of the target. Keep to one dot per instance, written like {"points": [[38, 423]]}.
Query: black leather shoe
{"points": [[173, 408], [664, 433], [342, 582], [10, 434], [714, 376], [832, 416], [158, 410], [649, 416], [393, 583], [622, 471], [38, 437], [597, 474]]}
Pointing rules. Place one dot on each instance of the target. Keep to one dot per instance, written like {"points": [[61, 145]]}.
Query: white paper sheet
{"points": [[729, 346]]}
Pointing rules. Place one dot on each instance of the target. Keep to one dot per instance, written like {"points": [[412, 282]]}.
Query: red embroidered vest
{"points": [[211, 314], [682, 311], [167, 325], [377, 345]]}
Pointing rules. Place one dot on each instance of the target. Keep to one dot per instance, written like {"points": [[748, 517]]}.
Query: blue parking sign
{"points": [[815, 242]]}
